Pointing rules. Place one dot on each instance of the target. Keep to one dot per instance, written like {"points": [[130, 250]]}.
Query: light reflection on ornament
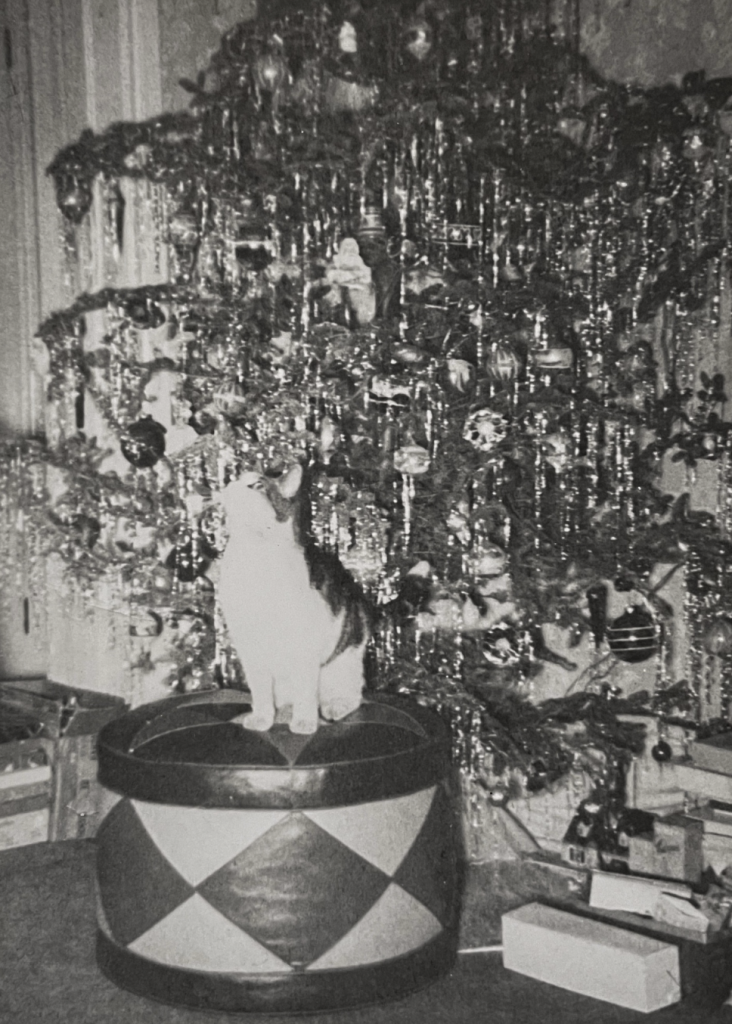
{"points": [[270, 71]]}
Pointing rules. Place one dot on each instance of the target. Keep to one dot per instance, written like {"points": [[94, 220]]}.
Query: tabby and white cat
{"points": [[295, 617]]}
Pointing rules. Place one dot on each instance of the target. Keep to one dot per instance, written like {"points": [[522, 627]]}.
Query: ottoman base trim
{"points": [[294, 992]]}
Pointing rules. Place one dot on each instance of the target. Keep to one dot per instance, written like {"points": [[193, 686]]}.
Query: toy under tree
{"points": [[426, 252]]}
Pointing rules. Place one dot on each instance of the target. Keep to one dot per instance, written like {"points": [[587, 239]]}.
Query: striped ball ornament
{"points": [[634, 635]]}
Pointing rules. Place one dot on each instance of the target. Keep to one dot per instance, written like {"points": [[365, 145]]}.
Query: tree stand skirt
{"points": [[270, 872]]}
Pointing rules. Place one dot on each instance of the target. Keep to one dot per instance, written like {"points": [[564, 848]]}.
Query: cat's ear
{"points": [[289, 485]]}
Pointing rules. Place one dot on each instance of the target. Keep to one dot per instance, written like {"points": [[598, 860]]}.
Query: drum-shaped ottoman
{"points": [[272, 872]]}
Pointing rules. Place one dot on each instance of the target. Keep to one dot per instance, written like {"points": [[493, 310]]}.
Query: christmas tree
{"points": [[426, 251]]}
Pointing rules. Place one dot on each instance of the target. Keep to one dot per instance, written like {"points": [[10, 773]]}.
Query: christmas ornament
{"points": [[188, 560], [502, 363], [553, 359], [409, 355], [183, 230], [418, 38], [383, 391], [634, 635], [556, 449], [371, 228], [73, 196], [485, 429], [143, 443], [501, 646], [460, 374], [270, 72], [491, 561], [144, 314], [661, 752], [412, 459], [87, 529], [717, 639]]}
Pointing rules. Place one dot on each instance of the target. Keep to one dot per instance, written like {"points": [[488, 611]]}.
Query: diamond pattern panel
{"points": [[381, 832], [199, 841], [137, 885], [395, 925], [429, 870], [197, 937], [296, 890]]}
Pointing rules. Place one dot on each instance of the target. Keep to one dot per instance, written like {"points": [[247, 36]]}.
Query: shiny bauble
{"points": [[550, 360], [498, 796], [502, 363], [501, 646], [183, 230], [371, 225], [144, 315], [537, 775], [661, 752], [460, 374], [485, 429], [73, 197], [717, 639], [270, 72], [409, 355], [188, 561], [202, 421], [419, 38], [491, 561], [87, 529], [253, 254], [385, 392], [634, 635], [143, 443]]}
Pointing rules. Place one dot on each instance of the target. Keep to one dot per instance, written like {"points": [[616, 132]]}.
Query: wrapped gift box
{"points": [[25, 780], [69, 720], [617, 966]]}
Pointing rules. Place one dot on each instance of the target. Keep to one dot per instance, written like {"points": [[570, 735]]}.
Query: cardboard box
{"points": [[62, 710], [672, 850], [705, 958], [617, 966], [713, 753], [611, 891], [24, 828]]}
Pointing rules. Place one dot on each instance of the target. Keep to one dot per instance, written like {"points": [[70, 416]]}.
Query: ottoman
{"points": [[272, 872]]}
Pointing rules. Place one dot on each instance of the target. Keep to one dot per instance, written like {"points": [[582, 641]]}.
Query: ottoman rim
{"points": [[124, 769]]}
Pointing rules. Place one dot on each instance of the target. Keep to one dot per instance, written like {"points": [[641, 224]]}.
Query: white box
{"points": [[591, 958], [611, 891], [24, 828]]}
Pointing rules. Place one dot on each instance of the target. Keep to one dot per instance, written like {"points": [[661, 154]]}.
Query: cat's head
{"points": [[256, 502]]}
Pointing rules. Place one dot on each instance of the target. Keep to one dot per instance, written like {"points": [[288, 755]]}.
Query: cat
{"points": [[296, 618]]}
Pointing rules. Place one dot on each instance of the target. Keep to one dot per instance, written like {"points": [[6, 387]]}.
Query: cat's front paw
{"points": [[334, 710], [255, 720], [304, 726]]}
